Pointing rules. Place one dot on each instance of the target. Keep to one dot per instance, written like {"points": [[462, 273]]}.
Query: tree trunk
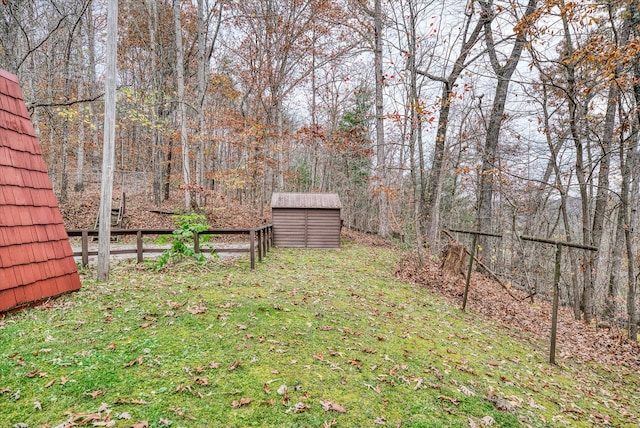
{"points": [[490, 150], [108, 151], [79, 185], [434, 190], [184, 141], [91, 40], [157, 158], [202, 85], [381, 152]]}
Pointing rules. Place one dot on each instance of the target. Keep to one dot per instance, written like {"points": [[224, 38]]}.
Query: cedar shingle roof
{"points": [[36, 260], [306, 200]]}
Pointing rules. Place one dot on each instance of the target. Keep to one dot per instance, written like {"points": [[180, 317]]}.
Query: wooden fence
{"points": [[260, 241]]}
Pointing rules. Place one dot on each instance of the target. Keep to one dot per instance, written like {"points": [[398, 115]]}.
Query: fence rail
{"points": [[260, 242]]}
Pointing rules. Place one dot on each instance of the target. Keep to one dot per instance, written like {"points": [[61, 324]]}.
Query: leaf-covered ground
{"points": [[308, 339]]}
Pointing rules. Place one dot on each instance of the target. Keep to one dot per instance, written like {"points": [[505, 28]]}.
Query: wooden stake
{"points": [[554, 313], [472, 254]]}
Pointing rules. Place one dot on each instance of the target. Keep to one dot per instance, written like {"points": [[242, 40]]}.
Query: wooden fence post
{"points": [[252, 248], [85, 248], [269, 237], [139, 245], [196, 242], [556, 285], [471, 253], [554, 311]]}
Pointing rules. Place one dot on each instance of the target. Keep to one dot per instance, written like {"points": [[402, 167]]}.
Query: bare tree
{"points": [[182, 109], [108, 150], [503, 73], [470, 35]]}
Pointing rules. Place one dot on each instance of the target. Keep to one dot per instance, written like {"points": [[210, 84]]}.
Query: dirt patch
{"points": [[81, 211]]}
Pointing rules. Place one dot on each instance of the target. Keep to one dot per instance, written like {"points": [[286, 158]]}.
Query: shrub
{"points": [[183, 240]]}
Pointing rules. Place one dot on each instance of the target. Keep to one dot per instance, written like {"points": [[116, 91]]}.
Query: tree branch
{"points": [[32, 106]]}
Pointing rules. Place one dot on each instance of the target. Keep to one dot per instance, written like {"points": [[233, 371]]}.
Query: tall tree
{"points": [[108, 149], [469, 36], [182, 109], [377, 16], [503, 72]]}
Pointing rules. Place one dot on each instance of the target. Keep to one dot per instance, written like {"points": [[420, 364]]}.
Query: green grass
{"points": [[180, 347]]}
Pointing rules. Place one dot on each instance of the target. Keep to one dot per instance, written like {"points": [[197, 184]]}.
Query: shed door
{"points": [[311, 228], [289, 227], [323, 228]]}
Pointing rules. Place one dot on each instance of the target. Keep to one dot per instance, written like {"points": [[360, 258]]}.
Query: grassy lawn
{"points": [[308, 339]]}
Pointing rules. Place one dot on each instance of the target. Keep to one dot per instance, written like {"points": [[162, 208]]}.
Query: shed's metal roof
{"points": [[306, 200]]}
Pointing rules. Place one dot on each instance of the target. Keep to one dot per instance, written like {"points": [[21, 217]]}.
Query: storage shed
{"points": [[36, 260], [306, 220]]}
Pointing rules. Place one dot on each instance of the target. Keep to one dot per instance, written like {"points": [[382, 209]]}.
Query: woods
{"points": [[506, 116]]}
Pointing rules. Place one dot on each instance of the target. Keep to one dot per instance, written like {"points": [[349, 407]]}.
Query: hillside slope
{"points": [[310, 338]]}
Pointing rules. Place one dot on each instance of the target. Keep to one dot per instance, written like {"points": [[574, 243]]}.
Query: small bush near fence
{"points": [[183, 239]]}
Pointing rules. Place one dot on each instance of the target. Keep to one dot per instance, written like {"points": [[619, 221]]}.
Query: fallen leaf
{"points": [[282, 390], [141, 424], [243, 402], [37, 405], [488, 421], [164, 422], [198, 309], [201, 381], [380, 421], [49, 384], [329, 424], [138, 360], [500, 403], [124, 415], [4, 390], [234, 365], [301, 407], [604, 418], [330, 405], [449, 399], [98, 393], [466, 391]]}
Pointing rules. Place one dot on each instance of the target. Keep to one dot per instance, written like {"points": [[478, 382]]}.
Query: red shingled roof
{"points": [[36, 260]]}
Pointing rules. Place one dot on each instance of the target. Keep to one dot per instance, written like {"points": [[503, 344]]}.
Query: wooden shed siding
{"points": [[289, 228], [306, 227], [36, 261], [323, 228]]}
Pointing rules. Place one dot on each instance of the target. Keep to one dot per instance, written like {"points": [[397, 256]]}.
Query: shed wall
{"points": [[306, 227]]}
